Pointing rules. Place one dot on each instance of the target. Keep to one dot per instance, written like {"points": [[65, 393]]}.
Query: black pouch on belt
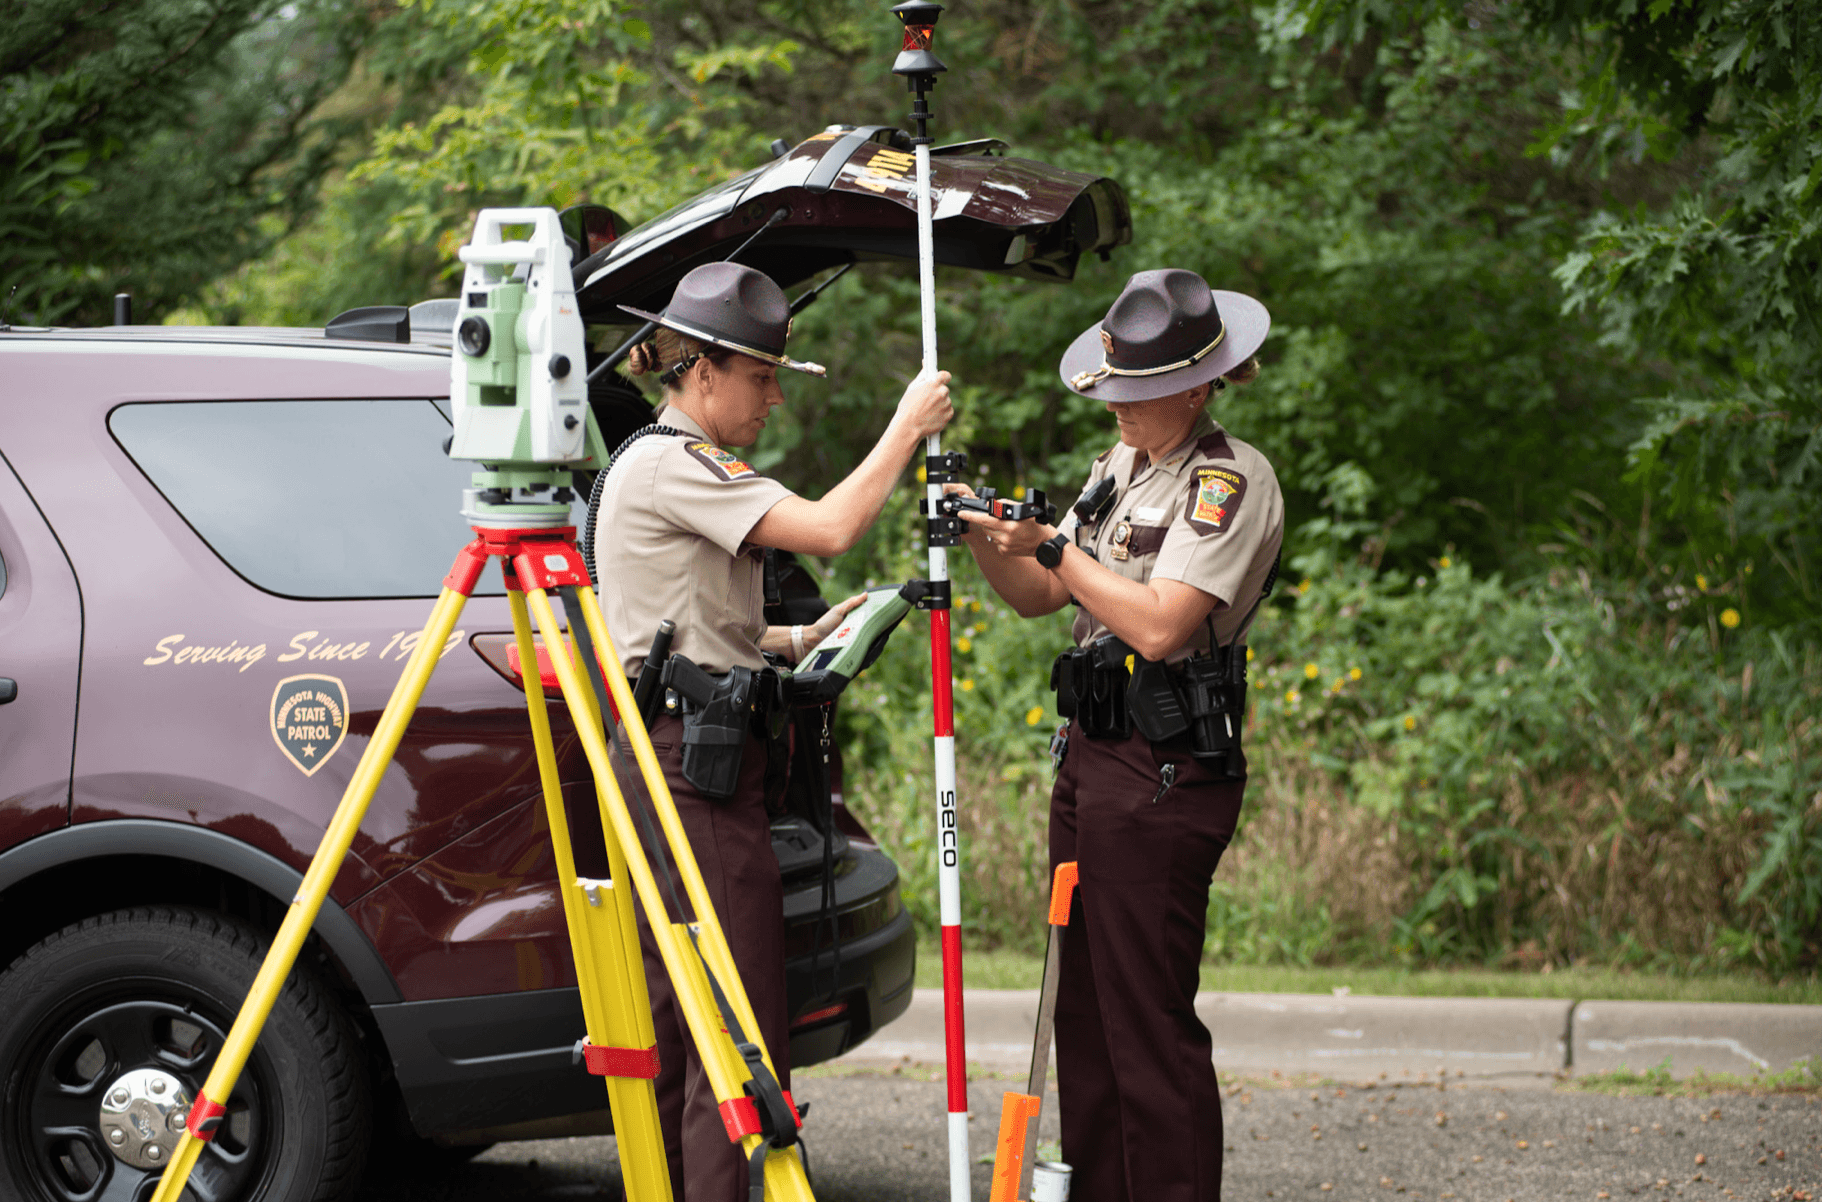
{"points": [[1214, 688], [1104, 714], [1069, 680], [717, 714]]}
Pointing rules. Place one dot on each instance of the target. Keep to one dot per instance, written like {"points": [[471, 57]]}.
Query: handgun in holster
{"points": [[716, 717], [1214, 688]]}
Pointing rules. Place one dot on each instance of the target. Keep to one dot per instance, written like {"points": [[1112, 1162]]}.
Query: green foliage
{"points": [[143, 145]]}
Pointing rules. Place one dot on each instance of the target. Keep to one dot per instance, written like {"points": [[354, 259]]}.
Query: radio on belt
{"points": [[829, 666]]}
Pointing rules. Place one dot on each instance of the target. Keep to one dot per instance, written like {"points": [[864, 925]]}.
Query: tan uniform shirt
{"points": [[1209, 514], [670, 542]]}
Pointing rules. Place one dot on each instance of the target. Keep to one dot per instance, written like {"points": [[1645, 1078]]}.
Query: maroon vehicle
{"points": [[216, 549]]}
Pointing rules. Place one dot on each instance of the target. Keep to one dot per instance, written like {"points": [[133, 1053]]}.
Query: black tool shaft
{"points": [[647, 688]]}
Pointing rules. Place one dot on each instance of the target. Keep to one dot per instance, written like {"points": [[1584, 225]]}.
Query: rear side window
{"points": [[319, 499]]}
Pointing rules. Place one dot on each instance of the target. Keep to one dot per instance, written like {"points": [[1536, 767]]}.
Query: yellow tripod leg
{"points": [[712, 940], [784, 1175], [323, 868], [609, 971]]}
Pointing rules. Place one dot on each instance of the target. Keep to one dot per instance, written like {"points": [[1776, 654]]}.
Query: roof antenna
{"points": [[7, 308]]}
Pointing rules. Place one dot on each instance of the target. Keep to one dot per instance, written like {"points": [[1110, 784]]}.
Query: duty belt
{"points": [[1110, 690]]}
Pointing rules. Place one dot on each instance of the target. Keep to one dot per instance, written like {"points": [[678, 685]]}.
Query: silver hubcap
{"points": [[142, 1117]]}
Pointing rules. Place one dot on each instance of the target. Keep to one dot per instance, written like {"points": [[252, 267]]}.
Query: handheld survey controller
{"points": [[829, 666], [518, 379]]}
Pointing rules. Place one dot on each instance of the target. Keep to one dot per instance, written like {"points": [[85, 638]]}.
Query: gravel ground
{"points": [[879, 1138]]}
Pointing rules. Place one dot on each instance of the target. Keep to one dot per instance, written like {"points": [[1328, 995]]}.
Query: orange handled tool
{"points": [[1018, 1141]]}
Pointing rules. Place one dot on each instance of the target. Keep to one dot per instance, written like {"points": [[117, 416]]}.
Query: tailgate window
{"points": [[319, 499]]}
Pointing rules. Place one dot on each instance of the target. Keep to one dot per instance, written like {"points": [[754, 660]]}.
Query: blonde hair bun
{"points": [[642, 360]]}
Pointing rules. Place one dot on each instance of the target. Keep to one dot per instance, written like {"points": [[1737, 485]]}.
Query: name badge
{"points": [[1122, 534]]}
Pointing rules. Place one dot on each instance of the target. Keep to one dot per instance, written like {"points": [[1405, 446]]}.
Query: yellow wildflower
{"points": [[1290, 697], [1730, 617], [964, 644], [1701, 582], [974, 607], [1018, 494], [1034, 715], [1410, 722], [967, 686], [923, 477], [1353, 673], [1311, 671], [1304, 587], [1336, 687], [1443, 562]]}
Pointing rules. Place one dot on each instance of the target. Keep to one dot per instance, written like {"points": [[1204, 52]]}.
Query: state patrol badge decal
{"points": [[1216, 493], [725, 466], [309, 719]]}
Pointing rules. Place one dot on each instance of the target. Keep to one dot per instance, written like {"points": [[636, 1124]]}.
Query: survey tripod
{"points": [[520, 517]]}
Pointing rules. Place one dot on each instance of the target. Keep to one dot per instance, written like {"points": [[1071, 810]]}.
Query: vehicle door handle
{"points": [[9, 689]]}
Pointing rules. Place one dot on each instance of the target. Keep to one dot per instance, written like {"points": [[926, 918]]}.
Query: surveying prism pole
{"points": [[920, 68]]}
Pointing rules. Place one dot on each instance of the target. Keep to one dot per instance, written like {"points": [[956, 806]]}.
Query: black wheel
{"points": [[111, 1027]]}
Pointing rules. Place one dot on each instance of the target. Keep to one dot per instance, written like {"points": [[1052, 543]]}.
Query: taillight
{"points": [[817, 1016], [501, 651]]}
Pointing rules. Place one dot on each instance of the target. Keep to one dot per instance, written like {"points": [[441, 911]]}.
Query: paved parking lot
{"points": [[877, 1137]]}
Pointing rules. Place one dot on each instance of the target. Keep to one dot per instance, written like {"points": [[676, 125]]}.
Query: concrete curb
{"points": [[1485, 1040], [1738, 1038]]}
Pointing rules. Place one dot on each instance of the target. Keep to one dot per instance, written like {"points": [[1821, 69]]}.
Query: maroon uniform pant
{"points": [[1141, 1112], [732, 842]]}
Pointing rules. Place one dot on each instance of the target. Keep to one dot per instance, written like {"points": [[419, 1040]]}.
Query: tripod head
{"points": [[517, 378]]}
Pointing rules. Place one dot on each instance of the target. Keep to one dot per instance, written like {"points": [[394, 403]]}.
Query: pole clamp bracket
{"points": [[945, 468], [944, 530], [926, 594]]}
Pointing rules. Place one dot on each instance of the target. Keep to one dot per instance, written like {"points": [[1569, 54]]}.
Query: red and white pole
{"points": [[942, 701], [920, 67]]}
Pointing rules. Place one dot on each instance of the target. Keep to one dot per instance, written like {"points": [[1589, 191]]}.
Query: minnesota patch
{"points": [[1215, 496], [724, 465], [309, 719]]}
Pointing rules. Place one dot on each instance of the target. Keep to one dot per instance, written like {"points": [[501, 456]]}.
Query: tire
{"points": [[146, 995]]}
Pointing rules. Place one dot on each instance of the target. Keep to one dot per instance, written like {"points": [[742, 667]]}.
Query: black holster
{"points": [[718, 714], [1214, 689], [1155, 701]]}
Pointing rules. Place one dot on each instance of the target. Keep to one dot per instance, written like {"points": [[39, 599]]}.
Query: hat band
{"points": [[1088, 379], [815, 369]]}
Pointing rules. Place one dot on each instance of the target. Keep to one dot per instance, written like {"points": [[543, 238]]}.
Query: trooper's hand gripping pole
{"points": [[920, 68]]}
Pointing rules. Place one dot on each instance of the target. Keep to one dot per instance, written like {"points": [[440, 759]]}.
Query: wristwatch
{"points": [[1050, 551]]}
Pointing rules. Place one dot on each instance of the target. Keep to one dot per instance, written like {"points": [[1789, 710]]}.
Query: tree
{"points": [[151, 145]]}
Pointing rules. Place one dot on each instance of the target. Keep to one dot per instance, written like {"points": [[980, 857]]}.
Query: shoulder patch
{"points": [[721, 463], [1215, 494], [1102, 457]]}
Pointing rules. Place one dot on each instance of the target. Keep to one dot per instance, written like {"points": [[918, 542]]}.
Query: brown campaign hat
{"points": [[1167, 332], [733, 306]]}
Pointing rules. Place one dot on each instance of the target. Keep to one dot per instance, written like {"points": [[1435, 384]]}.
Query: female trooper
{"points": [[1181, 535], [679, 533]]}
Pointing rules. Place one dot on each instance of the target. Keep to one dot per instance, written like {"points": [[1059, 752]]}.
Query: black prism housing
{"points": [[916, 59]]}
